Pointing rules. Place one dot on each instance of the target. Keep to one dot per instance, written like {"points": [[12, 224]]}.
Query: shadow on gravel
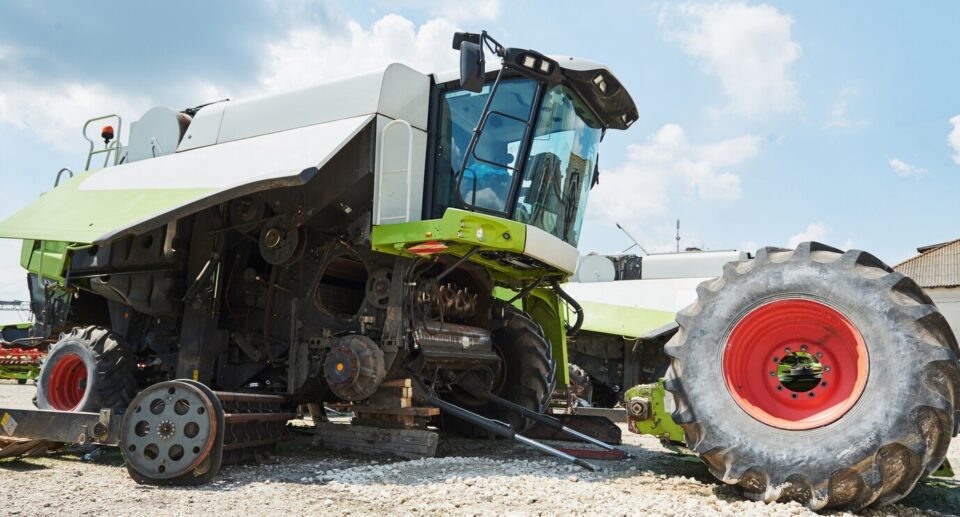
{"points": [[21, 465]]}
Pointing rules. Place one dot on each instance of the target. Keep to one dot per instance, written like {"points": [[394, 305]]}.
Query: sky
{"points": [[760, 123]]}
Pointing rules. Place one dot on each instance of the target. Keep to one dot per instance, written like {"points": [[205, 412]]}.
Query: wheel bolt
{"points": [[803, 347], [773, 374], [819, 354]]}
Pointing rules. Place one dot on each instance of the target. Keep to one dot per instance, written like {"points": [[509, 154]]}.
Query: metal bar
{"points": [[239, 418], [546, 420], [58, 426], [504, 430], [226, 396]]}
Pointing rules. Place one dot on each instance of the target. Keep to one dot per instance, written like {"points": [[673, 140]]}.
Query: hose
{"points": [[571, 330]]}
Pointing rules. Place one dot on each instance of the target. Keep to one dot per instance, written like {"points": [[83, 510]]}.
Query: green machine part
{"points": [[647, 414], [48, 259]]}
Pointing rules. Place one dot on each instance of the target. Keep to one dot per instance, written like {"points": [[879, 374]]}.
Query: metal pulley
{"points": [[181, 432], [281, 244]]}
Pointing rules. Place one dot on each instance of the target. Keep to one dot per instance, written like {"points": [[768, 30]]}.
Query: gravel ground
{"points": [[470, 477]]}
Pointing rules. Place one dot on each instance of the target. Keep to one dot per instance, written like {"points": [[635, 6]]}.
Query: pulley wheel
{"points": [[169, 431], [280, 245]]}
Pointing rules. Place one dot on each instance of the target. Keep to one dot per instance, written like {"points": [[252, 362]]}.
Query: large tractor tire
{"points": [[817, 376], [527, 375], [89, 369]]}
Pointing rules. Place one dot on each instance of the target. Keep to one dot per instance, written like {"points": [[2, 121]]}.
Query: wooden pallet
{"points": [[391, 407]]}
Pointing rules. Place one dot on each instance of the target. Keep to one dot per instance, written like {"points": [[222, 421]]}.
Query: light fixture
{"points": [[529, 61]]}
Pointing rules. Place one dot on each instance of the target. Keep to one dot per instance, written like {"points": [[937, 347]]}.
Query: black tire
{"points": [[897, 431], [110, 368], [527, 376]]}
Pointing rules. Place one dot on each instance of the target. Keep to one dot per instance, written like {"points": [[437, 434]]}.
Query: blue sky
{"points": [[760, 123]]}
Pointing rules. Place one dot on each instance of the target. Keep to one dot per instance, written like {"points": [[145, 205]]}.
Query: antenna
{"points": [[635, 243], [678, 235]]}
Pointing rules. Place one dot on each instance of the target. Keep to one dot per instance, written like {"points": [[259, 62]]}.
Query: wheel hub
{"points": [[795, 364], [68, 383]]}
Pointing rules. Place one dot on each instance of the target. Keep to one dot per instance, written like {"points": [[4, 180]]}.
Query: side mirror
{"points": [[471, 66]]}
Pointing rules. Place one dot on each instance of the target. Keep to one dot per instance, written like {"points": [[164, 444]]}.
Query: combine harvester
{"points": [[344, 241]]}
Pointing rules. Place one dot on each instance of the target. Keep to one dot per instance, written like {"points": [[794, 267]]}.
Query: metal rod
{"points": [[503, 430], [546, 420], [554, 452]]}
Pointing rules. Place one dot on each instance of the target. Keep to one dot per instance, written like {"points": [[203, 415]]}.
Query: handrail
{"points": [[60, 175], [108, 148], [409, 169]]}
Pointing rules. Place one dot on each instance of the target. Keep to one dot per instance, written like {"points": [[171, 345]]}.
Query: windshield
{"points": [[559, 173], [490, 170]]}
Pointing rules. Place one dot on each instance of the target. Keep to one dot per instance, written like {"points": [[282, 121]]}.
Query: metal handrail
{"points": [[60, 175], [113, 147], [409, 169]]}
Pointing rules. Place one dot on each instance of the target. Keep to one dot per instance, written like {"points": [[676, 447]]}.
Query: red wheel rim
{"points": [[68, 383], [766, 335]]}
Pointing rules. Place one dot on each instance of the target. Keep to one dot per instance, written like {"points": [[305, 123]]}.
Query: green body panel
{"points": [[658, 422], [618, 320], [55, 256], [458, 230], [70, 214]]}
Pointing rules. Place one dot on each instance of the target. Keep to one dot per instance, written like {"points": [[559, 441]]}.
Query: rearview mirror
{"points": [[472, 66]]}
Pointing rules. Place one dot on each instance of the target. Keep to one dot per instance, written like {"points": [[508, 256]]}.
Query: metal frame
{"points": [[114, 146]]}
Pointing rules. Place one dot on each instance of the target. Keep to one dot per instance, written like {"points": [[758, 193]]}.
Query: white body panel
{"points": [[694, 264], [550, 250], [669, 295], [397, 92], [221, 167]]}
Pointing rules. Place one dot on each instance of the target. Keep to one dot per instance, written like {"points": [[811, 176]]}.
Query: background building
{"points": [[937, 270]]}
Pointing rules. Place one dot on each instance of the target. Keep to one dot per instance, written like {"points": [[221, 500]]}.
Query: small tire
{"points": [[89, 369], [889, 431], [527, 376]]}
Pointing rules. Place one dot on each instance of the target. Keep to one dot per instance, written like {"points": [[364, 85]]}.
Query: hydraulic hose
{"points": [[571, 330]]}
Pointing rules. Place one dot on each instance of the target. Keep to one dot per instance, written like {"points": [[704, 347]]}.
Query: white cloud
{"points": [[639, 189], [905, 169], [55, 112], [309, 55], [749, 47], [840, 116], [813, 232], [954, 138], [465, 10]]}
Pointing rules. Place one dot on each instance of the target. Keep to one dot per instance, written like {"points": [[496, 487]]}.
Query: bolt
{"points": [[824, 384], [776, 359], [819, 354], [826, 368], [810, 393], [773, 374], [779, 388], [793, 395], [786, 350], [803, 347]]}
